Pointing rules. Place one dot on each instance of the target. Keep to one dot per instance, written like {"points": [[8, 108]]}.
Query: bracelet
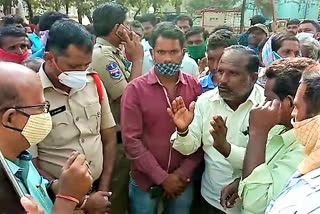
{"points": [[84, 202], [183, 133], [69, 198]]}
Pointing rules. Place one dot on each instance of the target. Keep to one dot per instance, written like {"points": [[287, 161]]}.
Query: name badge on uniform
{"points": [[57, 110], [114, 71]]}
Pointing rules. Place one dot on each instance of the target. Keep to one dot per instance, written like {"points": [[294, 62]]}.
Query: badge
{"points": [[114, 71]]}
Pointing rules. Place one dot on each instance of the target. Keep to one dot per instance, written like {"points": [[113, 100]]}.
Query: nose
{"points": [[223, 80], [294, 113], [291, 55], [167, 58]]}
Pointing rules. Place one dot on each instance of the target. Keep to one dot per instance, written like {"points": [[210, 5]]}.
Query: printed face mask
{"points": [[307, 133], [169, 69]]}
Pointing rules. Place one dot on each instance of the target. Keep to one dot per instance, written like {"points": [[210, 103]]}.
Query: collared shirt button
{"points": [[82, 140], [77, 118], [98, 114]]}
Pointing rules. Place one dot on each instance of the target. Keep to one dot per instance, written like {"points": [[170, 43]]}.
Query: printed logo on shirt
{"points": [[114, 71]]}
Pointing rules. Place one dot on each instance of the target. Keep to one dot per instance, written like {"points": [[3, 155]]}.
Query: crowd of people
{"points": [[148, 116]]}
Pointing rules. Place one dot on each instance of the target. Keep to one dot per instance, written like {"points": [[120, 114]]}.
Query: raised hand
{"points": [[75, 179], [265, 116], [181, 116], [219, 133]]}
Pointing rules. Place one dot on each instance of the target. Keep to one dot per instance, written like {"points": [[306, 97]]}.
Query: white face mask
{"points": [[73, 79]]}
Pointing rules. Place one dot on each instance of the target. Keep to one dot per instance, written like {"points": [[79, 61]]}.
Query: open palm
{"points": [[181, 116]]}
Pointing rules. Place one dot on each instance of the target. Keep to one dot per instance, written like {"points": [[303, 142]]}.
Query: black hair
{"points": [[258, 19], [312, 95], [221, 39], [11, 31], [90, 29], [148, 18], [222, 27], [106, 16], [287, 80], [136, 24], [35, 20], [293, 22], [12, 19], [278, 39], [49, 18], [185, 17], [313, 22], [67, 32], [253, 59], [167, 30], [197, 30]]}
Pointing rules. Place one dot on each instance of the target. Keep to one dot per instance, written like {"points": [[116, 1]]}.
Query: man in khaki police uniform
{"points": [[115, 72], [81, 115]]}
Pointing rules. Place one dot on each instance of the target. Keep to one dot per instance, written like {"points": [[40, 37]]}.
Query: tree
{"points": [[243, 10], [177, 5]]}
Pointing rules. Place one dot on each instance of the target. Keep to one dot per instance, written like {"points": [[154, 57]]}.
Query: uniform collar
{"points": [[102, 41], [153, 79], [46, 83], [288, 137], [254, 97]]}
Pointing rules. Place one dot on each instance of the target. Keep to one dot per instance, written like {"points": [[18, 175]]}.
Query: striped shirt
{"points": [[301, 195]]}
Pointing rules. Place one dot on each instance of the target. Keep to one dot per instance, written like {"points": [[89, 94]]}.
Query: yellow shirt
{"points": [[219, 171], [77, 128]]}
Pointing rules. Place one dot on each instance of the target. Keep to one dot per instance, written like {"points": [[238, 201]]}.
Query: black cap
{"points": [[258, 19]]}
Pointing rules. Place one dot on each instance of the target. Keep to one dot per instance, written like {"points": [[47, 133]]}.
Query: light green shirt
{"points": [[30, 181], [266, 182], [219, 171]]}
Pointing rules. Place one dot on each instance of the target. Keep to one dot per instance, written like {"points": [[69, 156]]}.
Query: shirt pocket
{"points": [[60, 124], [93, 113]]}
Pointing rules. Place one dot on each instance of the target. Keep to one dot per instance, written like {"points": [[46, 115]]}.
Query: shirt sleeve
{"points": [[132, 131], [236, 156], [111, 75], [107, 120], [190, 143], [266, 182]]}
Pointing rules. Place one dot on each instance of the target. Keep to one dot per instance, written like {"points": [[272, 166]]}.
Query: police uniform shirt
{"points": [[114, 71], [77, 120]]}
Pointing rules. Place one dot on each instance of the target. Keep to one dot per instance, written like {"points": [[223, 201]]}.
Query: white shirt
{"points": [[146, 45], [188, 65], [301, 195], [219, 171]]}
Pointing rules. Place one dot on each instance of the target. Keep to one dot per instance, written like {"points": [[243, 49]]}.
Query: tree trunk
{"points": [[67, 7], [88, 15], [30, 11], [7, 7], [80, 14], [243, 10], [137, 12]]}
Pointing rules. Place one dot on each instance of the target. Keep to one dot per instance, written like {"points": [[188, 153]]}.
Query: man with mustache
{"points": [[219, 121]]}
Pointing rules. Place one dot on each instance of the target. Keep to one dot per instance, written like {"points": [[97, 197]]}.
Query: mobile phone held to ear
{"points": [[10, 191], [122, 30]]}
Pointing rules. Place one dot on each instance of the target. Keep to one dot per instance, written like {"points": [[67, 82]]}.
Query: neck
{"points": [[54, 80], [8, 152], [111, 40], [288, 125], [166, 79]]}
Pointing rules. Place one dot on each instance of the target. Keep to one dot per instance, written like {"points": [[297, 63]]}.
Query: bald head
{"points": [[17, 84]]}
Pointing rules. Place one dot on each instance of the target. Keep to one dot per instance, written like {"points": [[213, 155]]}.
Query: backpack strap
{"points": [[97, 81]]}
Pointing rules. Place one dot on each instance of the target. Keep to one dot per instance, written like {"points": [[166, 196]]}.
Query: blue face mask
{"points": [[169, 69]]}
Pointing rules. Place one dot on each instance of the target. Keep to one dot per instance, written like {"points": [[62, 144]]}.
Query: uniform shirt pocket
{"points": [[93, 113], [60, 123]]}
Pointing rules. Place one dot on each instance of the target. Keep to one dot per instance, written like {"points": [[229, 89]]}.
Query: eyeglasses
{"points": [[45, 107]]}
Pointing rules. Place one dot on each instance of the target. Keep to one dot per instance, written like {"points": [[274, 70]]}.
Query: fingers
{"points": [[30, 205], [71, 159], [192, 106], [170, 112], [223, 198], [232, 200], [79, 161]]}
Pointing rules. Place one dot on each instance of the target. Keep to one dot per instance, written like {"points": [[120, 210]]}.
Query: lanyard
{"points": [[169, 103]]}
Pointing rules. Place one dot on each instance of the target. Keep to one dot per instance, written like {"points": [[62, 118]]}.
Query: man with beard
{"points": [[219, 121]]}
